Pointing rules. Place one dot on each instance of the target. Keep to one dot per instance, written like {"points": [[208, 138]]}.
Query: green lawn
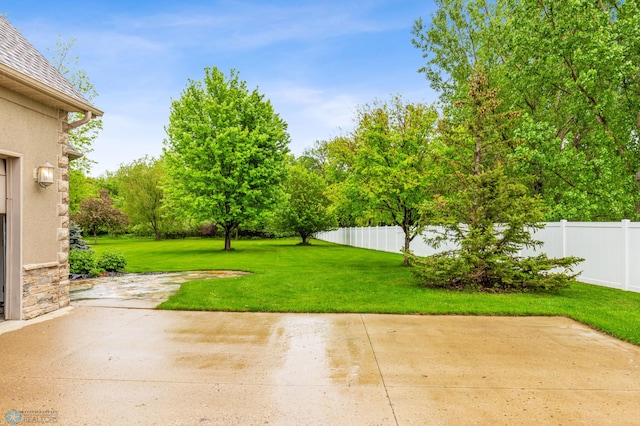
{"points": [[325, 277]]}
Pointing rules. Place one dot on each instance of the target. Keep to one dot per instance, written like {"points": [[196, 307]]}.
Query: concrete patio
{"points": [[105, 366]]}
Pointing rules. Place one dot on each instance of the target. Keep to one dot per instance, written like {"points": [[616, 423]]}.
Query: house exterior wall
{"points": [[33, 132]]}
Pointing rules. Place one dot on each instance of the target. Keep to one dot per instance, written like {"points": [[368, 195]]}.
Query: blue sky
{"points": [[315, 60]]}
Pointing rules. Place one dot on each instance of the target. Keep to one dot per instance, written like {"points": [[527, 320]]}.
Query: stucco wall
{"points": [[37, 219], [33, 130]]}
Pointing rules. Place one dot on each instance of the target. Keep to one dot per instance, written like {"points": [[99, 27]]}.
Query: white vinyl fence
{"points": [[611, 249]]}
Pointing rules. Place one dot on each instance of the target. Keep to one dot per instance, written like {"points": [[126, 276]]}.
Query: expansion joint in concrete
{"points": [[373, 351]]}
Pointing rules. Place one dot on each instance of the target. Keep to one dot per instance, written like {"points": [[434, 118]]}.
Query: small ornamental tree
{"points": [[98, 213], [487, 212], [306, 210]]}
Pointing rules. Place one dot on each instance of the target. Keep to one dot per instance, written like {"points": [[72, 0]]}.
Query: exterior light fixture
{"points": [[44, 175]]}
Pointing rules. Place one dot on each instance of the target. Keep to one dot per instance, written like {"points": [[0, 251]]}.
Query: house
{"points": [[35, 100]]}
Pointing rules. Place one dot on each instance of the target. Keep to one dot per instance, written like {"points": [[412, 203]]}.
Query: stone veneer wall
{"points": [[45, 287]]}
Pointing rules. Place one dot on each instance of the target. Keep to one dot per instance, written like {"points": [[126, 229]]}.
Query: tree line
{"points": [[537, 120]]}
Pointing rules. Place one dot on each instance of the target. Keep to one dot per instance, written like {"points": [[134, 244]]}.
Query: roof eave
{"points": [[32, 88], [72, 153]]}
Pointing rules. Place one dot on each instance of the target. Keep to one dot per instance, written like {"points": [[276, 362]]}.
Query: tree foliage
{"points": [[571, 67], [393, 169], [75, 238], [225, 152], [98, 213], [333, 159], [142, 192], [81, 186], [83, 137], [306, 209], [486, 212]]}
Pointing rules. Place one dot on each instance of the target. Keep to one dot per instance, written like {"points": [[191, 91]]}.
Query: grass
{"points": [[325, 277]]}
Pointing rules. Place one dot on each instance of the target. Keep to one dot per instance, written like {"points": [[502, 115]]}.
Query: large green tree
{"points": [[306, 208], [571, 67], [394, 171], [225, 152]]}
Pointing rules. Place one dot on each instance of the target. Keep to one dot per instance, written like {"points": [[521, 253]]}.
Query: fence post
{"points": [[563, 233], [625, 254]]}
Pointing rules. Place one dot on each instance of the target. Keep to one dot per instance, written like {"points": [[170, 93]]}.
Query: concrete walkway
{"points": [[112, 366]]}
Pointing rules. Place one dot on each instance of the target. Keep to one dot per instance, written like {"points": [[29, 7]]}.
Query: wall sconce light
{"points": [[44, 175]]}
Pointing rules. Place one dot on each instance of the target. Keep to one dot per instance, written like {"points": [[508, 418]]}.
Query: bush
{"points": [[96, 272], [459, 270], [81, 261], [111, 261], [208, 229]]}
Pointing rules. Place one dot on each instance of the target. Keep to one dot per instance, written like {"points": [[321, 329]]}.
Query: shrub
{"points": [[96, 272], [459, 270], [111, 261], [208, 229], [81, 261]]}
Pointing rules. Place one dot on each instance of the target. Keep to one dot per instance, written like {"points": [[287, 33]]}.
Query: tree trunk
{"points": [[95, 236], [407, 247], [227, 238], [304, 239]]}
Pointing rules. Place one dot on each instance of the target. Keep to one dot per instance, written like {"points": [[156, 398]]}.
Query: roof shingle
{"points": [[16, 52]]}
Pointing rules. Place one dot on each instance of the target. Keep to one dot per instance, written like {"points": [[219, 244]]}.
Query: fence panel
{"points": [[611, 250], [551, 238], [601, 245]]}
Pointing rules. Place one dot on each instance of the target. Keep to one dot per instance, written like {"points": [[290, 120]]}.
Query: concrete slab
{"points": [[501, 370], [99, 366]]}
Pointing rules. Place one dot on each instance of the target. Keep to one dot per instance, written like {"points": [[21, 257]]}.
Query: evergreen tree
{"points": [[486, 212], [75, 238]]}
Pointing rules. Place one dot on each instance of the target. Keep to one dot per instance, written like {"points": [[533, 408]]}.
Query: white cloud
{"points": [[249, 25], [312, 113]]}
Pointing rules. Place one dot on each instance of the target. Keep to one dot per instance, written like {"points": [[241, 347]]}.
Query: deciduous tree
{"points": [[394, 171], [333, 159], [98, 213], [81, 186], [571, 67], [142, 192], [83, 137], [306, 208], [225, 152]]}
